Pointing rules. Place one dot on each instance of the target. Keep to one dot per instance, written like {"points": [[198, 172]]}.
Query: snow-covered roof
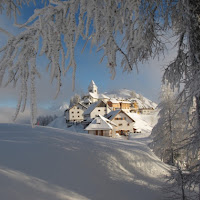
{"points": [[112, 100], [111, 115], [92, 107], [125, 102], [94, 95], [100, 123], [125, 94], [141, 123], [98, 96], [103, 96], [80, 103], [87, 101]]}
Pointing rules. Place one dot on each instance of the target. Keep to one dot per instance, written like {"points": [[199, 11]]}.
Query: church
{"points": [[93, 95]]}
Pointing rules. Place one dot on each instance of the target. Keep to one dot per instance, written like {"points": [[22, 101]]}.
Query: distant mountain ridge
{"points": [[126, 94]]}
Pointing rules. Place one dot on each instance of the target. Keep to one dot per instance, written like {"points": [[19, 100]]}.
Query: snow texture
{"points": [[100, 123], [52, 164]]}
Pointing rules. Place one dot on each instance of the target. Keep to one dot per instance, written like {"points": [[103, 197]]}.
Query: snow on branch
{"points": [[61, 23]]}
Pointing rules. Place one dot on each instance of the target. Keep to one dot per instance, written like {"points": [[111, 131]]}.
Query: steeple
{"points": [[93, 88]]}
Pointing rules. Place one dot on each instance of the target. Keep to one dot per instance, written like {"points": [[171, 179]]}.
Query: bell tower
{"points": [[93, 88]]}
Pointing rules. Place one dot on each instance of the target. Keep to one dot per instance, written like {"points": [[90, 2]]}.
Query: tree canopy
{"points": [[135, 29]]}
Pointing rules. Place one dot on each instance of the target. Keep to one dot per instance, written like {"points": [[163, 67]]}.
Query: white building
{"points": [[75, 113], [101, 126], [98, 108], [93, 95], [125, 124]]}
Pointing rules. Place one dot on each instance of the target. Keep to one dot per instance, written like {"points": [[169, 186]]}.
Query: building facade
{"points": [[75, 113]]}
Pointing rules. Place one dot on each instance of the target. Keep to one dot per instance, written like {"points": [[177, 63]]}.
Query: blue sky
{"points": [[147, 82]]}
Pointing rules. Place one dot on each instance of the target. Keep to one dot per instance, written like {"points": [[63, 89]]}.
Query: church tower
{"points": [[93, 88]]}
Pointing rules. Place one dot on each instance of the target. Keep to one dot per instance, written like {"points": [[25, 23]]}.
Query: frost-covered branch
{"points": [[105, 23]]}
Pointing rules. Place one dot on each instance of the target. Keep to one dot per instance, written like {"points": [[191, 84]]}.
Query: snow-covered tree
{"points": [[177, 187], [45, 120], [168, 132], [173, 144], [74, 100]]}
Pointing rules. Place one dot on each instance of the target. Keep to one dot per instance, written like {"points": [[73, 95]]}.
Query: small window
{"points": [[78, 112], [77, 107], [128, 124], [99, 110], [72, 116], [78, 116], [120, 125], [72, 112]]}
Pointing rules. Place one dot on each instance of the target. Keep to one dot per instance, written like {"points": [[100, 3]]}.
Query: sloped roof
{"points": [[94, 95], [103, 96], [112, 100], [98, 96], [80, 103], [76, 105], [100, 123], [125, 102], [111, 115], [92, 107], [87, 101]]}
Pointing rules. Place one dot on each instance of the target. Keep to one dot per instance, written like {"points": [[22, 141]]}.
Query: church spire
{"points": [[92, 87]]}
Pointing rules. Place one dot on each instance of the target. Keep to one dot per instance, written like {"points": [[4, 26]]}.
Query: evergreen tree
{"points": [[164, 131]]}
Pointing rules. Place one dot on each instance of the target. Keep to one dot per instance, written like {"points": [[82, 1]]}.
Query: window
{"points": [[120, 125], [78, 112], [99, 110], [77, 107], [72, 116], [78, 116], [128, 124], [72, 112]]}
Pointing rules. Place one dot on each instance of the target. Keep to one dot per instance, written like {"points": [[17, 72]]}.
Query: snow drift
{"points": [[52, 164]]}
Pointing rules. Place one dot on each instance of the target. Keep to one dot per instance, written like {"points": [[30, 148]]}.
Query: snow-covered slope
{"points": [[60, 123], [51, 164], [126, 94]]}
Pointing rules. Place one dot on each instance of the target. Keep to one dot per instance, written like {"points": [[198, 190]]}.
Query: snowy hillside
{"points": [[126, 94], [51, 164], [60, 123]]}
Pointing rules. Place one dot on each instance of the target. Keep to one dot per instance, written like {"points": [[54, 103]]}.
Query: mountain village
{"points": [[107, 115]]}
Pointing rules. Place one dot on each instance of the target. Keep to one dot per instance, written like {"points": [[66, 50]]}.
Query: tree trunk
{"points": [[194, 45]]}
